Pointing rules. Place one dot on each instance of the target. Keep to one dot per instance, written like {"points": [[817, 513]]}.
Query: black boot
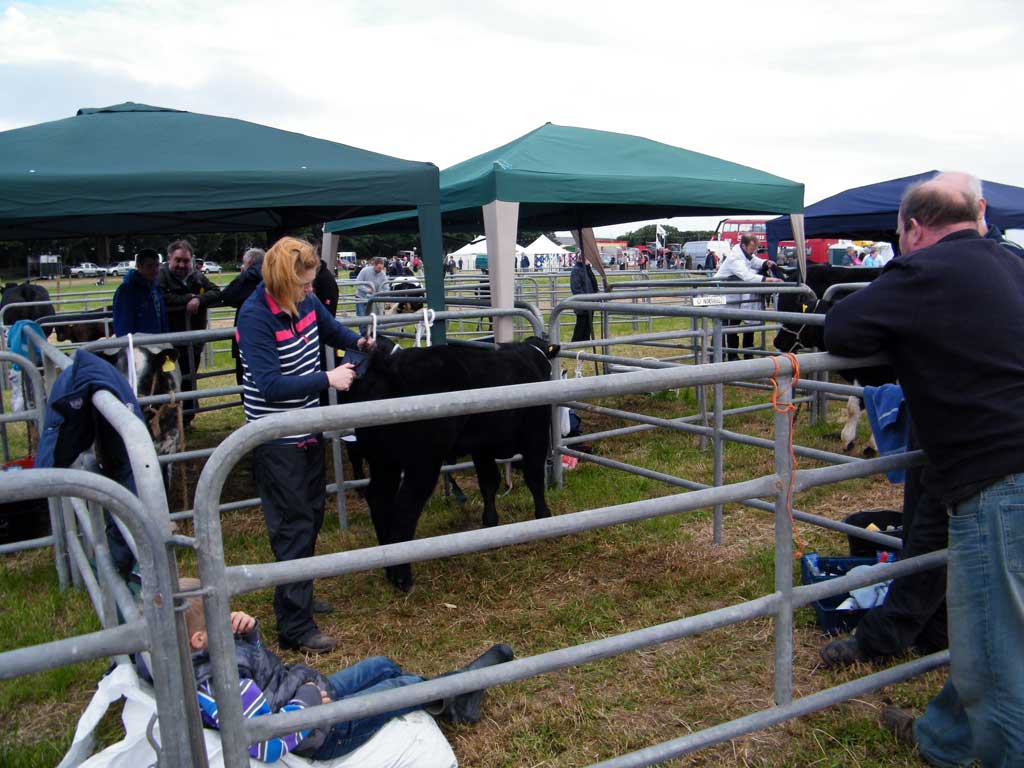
{"points": [[465, 708]]}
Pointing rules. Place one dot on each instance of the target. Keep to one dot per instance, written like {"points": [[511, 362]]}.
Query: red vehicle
{"points": [[817, 250], [732, 229]]}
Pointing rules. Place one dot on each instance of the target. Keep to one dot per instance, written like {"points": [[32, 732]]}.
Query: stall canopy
{"points": [[869, 212], [565, 178], [138, 169], [560, 177]]}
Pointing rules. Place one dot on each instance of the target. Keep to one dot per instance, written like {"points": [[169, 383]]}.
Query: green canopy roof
{"points": [[566, 177], [133, 168]]}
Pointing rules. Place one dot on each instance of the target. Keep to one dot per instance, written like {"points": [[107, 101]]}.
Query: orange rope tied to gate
{"points": [[790, 409]]}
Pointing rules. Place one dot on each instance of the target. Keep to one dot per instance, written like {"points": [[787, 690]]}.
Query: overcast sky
{"points": [[833, 94]]}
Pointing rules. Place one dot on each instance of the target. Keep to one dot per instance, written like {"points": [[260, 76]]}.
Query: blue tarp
{"points": [[869, 213]]}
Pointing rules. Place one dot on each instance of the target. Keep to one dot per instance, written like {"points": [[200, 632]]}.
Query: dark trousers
{"points": [[914, 611], [733, 340], [188, 362], [291, 482], [584, 329]]}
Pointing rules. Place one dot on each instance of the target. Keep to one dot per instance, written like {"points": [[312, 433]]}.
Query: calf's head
{"points": [[157, 373]]}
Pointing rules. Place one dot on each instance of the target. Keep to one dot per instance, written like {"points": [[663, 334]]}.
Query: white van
{"points": [[695, 251]]}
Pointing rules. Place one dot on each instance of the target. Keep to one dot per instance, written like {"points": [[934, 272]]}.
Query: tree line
{"points": [[647, 234], [227, 247]]}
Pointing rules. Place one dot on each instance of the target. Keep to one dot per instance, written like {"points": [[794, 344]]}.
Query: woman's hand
{"points": [[341, 378], [365, 345]]}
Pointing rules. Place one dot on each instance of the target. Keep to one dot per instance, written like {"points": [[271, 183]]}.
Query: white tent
{"points": [[478, 248], [544, 246], [547, 254]]}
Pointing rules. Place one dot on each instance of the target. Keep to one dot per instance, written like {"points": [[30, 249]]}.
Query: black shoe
{"points": [[465, 708], [842, 653], [313, 643], [900, 724], [322, 606]]}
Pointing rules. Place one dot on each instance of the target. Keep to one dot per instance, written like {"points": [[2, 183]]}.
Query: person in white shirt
{"points": [[742, 263]]}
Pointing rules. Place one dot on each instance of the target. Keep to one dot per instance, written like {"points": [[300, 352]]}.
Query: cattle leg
{"points": [[871, 449], [418, 484], [452, 487], [849, 433], [533, 473], [489, 477], [385, 477]]}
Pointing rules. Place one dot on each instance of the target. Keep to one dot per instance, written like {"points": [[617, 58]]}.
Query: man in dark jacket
{"points": [[238, 290], [947, 313], [138, 304], [188, 294], [326, 288], [582, 280]]}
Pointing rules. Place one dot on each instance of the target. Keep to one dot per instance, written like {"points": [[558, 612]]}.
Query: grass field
{"points": [[539, 597]]}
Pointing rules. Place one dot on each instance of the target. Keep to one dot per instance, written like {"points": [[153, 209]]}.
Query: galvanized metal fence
{"points": [[222, 582], [771, 493]]}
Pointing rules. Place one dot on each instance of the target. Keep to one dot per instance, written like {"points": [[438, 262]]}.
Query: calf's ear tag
{"points": [[803, 307], [168, 366]]}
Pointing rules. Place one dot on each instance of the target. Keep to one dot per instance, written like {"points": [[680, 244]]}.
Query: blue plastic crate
{"points": [[832, 621]]}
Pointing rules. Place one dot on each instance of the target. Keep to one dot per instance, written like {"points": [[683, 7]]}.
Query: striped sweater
{"points": [[254, 704], [254, 699], [280, 355]]}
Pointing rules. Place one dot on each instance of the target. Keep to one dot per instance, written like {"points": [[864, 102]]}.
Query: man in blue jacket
{"points": [[947, 313], [138, 305]]}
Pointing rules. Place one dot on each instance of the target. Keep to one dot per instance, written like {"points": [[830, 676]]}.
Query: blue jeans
{"points": [[368, 676], [361, 312], [980, 711]]}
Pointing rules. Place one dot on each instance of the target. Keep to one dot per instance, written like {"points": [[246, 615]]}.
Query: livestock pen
{"points": [[560, 600]]}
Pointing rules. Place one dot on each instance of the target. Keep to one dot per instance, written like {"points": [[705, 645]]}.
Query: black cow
{"points": [[16, 293], [81, 327], [402, 479], [806, 338]]}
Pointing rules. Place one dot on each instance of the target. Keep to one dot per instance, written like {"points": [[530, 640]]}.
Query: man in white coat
{"points": [[742, 263]]}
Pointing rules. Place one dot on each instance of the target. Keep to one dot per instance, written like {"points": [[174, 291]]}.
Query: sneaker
{"points": [[322, 606], [900, 724], [316, 642], [842, 653]]}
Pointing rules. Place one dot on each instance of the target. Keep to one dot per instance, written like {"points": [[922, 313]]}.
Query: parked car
{"points": [[211, 267], [121, 268], [86, 269]]}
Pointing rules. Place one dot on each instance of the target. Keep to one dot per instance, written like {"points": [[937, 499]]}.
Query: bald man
{"points": [[947, 313], [972, 186]]}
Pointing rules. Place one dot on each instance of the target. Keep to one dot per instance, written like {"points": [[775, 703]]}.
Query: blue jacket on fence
{"points": [[70, 428], [70, 424], [890, 423], [139, 307]]}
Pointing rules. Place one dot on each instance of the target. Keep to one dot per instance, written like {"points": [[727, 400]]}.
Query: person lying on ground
{"points": [[267, 686]]}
